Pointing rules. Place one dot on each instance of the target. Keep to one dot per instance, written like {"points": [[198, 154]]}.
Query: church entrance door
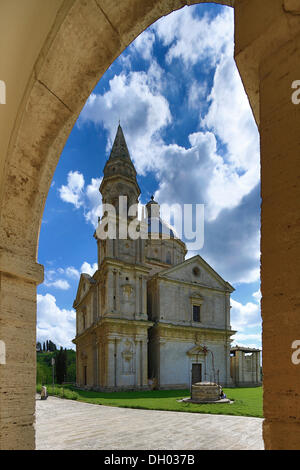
{"points": [[196, 373]]}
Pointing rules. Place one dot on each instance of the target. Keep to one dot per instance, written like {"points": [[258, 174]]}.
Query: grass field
{"points": [[247, 401]]}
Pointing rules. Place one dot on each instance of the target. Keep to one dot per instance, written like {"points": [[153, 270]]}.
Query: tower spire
{"points": [[119, 172], [119, 148]]}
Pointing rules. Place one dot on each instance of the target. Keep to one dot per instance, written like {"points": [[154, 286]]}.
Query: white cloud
{"points": [[230, 118], [193, 38], [257, 296], [233, 172], [88, 268], [144, 44], [244, 315], [92, 202], [137, 101], [54, 323], [196, 93], [246, 320], [247, 337], [87, 197], [52, 281], [70, 272], [72, 191], [61, 284]]}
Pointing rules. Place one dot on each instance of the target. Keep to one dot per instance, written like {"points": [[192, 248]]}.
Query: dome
{"points": [[158, 226]]}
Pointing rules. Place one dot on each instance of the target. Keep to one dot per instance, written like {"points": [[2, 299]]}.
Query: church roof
{"points": [[119, 148]]}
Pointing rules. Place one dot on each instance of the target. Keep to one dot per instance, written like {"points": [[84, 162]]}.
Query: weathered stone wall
{"points": [[175, 304], [172, 353], [18, 374], [205, 392], [115, 353]]}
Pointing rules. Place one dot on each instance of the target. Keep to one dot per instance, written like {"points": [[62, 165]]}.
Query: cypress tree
{"points": [[61, 365]]}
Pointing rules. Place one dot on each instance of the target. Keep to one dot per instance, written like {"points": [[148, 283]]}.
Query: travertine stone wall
{"points": [[280, 143], [267, 54], [17, 374]]}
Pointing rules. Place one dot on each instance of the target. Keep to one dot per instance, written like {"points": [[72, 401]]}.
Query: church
{"points": [[148, 317]]}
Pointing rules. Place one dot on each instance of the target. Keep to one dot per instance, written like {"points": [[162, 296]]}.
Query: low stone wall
{"points": [[206, 392]]}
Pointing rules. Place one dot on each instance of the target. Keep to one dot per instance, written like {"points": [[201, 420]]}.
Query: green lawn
{"points": [[247, 401]]}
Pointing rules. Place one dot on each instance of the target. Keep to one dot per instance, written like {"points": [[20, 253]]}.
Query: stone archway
{"points": [[77, 47]]}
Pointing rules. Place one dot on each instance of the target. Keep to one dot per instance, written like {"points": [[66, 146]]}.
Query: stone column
{"points": [[145, 362], [137, 296], [267, 51], [95, 362], [258, 377], [110, 373], [144, 297], [77, 365], [118, 291], [137, 363], [280, 243], [227, 362], [240, 366], [18, 281], [254, 367]]}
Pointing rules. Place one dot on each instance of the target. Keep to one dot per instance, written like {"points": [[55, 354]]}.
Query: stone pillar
{"points": [[228, 379], [137, 296], [240, 366], [280, 243], [110, 373], [77, 365], [95, 362], [267, 52], [99, 348], [18, 281], [141, 303], [254, 367], [145, 361], [137, 363], [109, 289], [144, 297], [258, 377], [118, 291]]}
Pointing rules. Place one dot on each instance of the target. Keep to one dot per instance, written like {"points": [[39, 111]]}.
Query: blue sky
{"points": [[193, 139]]}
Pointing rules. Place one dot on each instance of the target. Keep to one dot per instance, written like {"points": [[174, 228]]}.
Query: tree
{"points": [[52, 346], [61, 365]]}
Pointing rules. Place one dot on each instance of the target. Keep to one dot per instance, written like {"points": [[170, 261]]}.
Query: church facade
{"points": [[149, 318]]}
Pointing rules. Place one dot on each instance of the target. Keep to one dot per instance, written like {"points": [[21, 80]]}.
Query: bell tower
{"points": [[120, 189], [119, 175]]}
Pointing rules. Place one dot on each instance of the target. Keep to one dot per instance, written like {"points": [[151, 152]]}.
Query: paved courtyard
{"points": [[67, 424]]}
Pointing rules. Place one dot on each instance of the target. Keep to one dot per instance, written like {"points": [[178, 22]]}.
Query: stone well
{"points": [[203, 392]]}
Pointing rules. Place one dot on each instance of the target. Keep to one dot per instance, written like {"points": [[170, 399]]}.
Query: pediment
{"points": [[197, 350], [84, 285], [197, 271]]}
